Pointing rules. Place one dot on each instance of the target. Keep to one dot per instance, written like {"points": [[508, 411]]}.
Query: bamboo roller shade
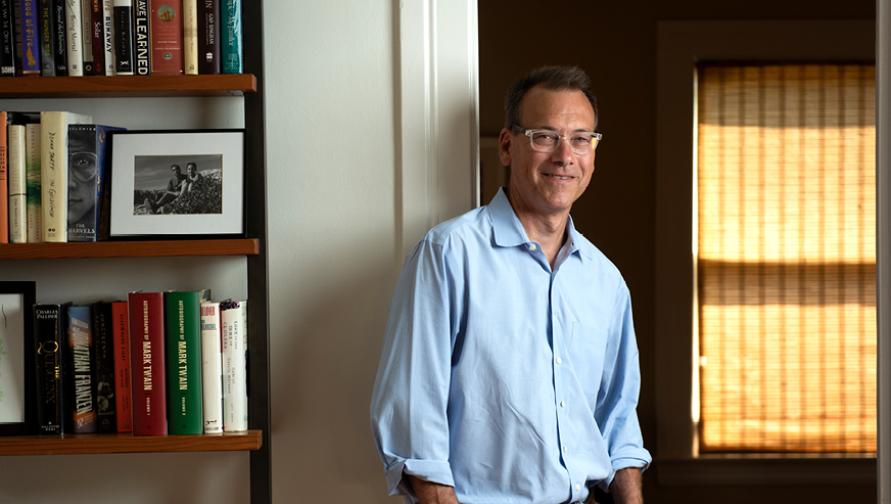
{"points": [[786, 258]]}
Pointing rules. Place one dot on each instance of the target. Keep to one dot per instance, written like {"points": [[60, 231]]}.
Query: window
{"points": [[786, 258]]}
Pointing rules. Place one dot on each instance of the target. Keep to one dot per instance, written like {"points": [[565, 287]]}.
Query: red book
{"points": [[4, 183], [147, 363], [120, 332], [167, 37]]}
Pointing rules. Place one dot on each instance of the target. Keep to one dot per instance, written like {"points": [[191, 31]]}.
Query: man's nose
{"points": [[563, 154]]}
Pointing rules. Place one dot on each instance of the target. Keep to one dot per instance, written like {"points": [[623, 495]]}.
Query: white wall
{"points": [[348, 184]]}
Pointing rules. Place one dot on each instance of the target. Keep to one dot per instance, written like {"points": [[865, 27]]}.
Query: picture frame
{"points": [[18, 381], [176, 183]]}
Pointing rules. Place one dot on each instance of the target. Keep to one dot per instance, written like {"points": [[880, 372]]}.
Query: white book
{"points": [[75, 39], [17, 199], [190, 37], [211, 367], [233, 323], [32, 182], [86, 23], [108, 35], [54, 171]]}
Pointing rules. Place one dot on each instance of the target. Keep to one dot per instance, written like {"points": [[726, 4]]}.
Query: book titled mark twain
{"points": [[147, 363]]}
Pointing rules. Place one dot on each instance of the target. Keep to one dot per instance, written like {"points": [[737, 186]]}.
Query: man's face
{"points": [[548, 183], [81, 185]]}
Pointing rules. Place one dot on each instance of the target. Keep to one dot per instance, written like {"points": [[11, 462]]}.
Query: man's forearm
{"points": [[627, 486], [432, 493]]}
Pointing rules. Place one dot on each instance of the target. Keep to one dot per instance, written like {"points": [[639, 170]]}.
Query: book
{"points": [[108, 36], [143, 52], [230, 33], [86, 23], [4, 179], [167, 38], [49, 339], [54, 171], [97, 36], [147, 363], [30, 40], [82, 385], [87, 179], [183, 343], [123, 37], [47, 46], [120, 328], [190, 37], [34, 210], [60, 38], [211, 367], [7, 39], [103, 344], [74, 37], [208, 36], [18, 221], [233, 326]]}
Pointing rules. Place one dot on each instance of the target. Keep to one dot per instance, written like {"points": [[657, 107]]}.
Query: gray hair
{"points": [[556, 78]]}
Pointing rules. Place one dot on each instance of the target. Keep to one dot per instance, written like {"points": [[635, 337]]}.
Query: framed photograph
{"points": [[186, 183], [18, 396]]}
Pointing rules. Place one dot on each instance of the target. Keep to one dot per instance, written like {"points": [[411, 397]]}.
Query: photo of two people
{"points": [[191, 184]]}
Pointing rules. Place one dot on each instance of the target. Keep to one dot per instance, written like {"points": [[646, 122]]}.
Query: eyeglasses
{"points": [[582, 143]]}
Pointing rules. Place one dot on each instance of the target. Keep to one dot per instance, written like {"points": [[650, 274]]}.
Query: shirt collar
{"points": [[508, 231]]}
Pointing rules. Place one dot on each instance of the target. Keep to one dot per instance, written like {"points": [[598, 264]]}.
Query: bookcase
{"points": [[181, 102]]}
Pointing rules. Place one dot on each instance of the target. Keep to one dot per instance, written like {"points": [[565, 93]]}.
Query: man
{"points": [[192, 176], [509, 371], [175, 188]]}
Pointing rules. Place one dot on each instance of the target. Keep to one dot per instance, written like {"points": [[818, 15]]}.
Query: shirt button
{"points": [[558, 360], [532, 247], [564, 448], [562, 404], [578, 488]]}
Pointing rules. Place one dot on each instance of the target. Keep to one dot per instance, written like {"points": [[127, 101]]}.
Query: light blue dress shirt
{"points": [[508, 380]]}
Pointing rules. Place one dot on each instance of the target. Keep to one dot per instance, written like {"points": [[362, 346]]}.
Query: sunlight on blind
{"points": [[786, 258]]}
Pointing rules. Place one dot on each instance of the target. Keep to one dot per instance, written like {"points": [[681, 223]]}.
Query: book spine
{"points": [[30, 37], [123, 37], [167, 38], [104, 347], [34, 210], [103, 188], [82, 182], [47, 54], [230, 29], [190, 37], [142, 30], [83, 372], [60, 37], [18, 223], [233, 323], [48, 360], [17, 35], [121, 336], [209, 37], [211, 368], [184, 407], [86, 27], [74, 36], [54, 172], [7, 39], [97, 31], [4, 180], [147, 363], [108, 36]]}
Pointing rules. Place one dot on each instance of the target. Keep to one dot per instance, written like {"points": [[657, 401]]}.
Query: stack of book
{"points": [[120, 37], [156, 364]]}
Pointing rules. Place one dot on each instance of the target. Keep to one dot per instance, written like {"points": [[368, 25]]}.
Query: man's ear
{"points": [[504, 139]]}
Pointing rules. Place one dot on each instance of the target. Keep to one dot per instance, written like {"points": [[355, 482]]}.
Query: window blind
{"points": [[786, 258]]}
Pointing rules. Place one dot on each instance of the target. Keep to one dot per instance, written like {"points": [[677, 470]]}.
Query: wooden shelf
{"points": [[169, 248], [125, 443], [128, 86]]}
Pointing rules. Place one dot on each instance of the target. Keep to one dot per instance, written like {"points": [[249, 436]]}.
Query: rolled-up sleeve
{"points": [[616, 411], [410, 399]]}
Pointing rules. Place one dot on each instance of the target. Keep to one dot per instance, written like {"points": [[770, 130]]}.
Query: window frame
{"points": [[680, 46]]}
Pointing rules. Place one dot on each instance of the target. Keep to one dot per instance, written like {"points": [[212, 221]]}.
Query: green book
{"points": [[183, 341]]}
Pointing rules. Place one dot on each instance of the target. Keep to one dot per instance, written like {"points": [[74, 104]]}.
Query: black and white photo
{"points": [[178, 185]]}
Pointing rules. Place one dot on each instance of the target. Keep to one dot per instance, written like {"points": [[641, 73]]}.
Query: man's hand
{"points": [[432, 493], [627, 486]]}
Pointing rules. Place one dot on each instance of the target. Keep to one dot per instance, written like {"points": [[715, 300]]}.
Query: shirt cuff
{"points": [[435, 471], [623, 462]]}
